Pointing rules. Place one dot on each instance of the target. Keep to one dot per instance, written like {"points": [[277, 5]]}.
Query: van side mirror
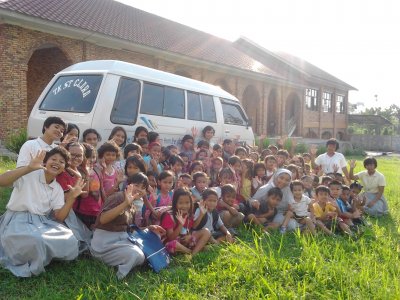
{"points": [[248, 123]]}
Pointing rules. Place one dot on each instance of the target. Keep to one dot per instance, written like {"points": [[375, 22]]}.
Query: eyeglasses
{"points": [[76, 155]]}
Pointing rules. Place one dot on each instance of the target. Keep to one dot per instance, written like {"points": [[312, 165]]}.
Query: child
{"points": [[132, 149], [258, 177], [235, 164], [295, 172], [308, 186], [357, 200], [196, 166], [200, 181], [206, 216], [347, 213], [241, 152], [108, 153], [153, 137], [326, 212], [118, 135], [228, 149], [217, 151], [152, 177], [216, 166], [144, 144], [187, 146], [247, 176], [178, 223], [298, 208], [71, 134], [176, 163], [52, 130], [326, 180], [270, 166], [185, 180], [164, 158], [133, 165], [173, 149], [92, 137], [110, 241], [254, 157], [161, 201], [140, 132], [228, 208], [88, 207], [267, 210], [208, 133], [307, 158], [281, 158], [153, 159]]}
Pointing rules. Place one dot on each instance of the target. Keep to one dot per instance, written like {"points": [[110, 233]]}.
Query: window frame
{"points": [[327, 101], [340, 109], [314, 105], [201, 106], [163, 100], [116, 97], [241, 111]]}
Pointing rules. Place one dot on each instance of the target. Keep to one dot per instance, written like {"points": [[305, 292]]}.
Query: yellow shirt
{"points": [[319, 211], [245, 191], [371, 182]]}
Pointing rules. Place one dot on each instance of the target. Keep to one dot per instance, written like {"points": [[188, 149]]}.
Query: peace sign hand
{"points": [[353, 163]]}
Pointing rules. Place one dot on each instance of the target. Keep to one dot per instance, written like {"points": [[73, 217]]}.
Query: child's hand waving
{"points": [[36, 162], [181, 219]]}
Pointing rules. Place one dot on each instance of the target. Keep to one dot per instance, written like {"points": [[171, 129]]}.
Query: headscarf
{"points": [[263, 191]]}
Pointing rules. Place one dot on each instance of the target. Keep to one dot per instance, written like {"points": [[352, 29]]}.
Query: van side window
{"points": [[174, 103], [233, 114], [163, 101], [72, 93], [201, 107], [126, 102]]}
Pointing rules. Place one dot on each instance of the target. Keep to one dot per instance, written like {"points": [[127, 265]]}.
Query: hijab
{"points": [[287, 194]]}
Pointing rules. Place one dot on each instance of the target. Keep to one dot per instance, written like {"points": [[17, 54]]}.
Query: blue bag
{"points": [[152, 247]]}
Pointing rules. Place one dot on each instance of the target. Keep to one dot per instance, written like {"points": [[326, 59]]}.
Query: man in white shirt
{"points": [[330, 161], [53, 129]]}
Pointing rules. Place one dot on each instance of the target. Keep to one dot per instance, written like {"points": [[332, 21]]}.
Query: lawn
{"points": [[257, 266]]}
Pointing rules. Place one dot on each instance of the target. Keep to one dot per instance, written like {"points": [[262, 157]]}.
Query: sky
{"points": [[357, 41]]}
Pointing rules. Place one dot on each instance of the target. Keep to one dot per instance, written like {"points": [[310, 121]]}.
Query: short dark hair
{"points": [[233, 160], [138, 130], [370, 161], [345, 188], [322, 188], [335, 182], [91, 130], [275, 192], [356, 185], [131, 147], [70, 127], [53, 120], [228, 189], [203, 143], [207, 128], [239, 149], [152, 136], [333, 141], [227, 142], [58, 150], [198, 175], [89, 149], [186, 175], [137, 179], [283, 152], [296, 183], [217, 147], [208, 192], [142, 141], [175, 159], [138, 161]]}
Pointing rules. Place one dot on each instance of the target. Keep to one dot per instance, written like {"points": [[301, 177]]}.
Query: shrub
{"points": [[321, 149], [15, 140], [266, 142], [301, 148], [287, 145]]}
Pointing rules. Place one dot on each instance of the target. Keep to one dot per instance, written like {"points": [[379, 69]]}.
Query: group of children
{"points": [[190, 195]]}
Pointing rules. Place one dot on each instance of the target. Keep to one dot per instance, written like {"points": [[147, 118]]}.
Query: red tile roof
{"points": [[128, 23]]}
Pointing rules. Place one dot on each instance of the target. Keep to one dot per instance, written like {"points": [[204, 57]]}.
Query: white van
{"points": [[103, 94]]}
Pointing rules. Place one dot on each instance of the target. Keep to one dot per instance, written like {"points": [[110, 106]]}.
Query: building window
{"points": [[326, 102], [312, 99], [340, 104]]}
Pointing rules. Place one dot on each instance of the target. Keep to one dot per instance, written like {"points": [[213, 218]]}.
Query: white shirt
{"points": [[300, 208], [30, 148], [209, 223], [371, 182], [32, 193], [327, 162]]}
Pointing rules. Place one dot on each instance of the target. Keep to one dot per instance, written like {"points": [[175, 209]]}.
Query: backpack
{"points": [[204, 220]]}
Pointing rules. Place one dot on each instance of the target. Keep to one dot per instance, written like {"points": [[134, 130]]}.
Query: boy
{"points": [[270, 166], [176, 163], [228, 210], [267, 210], [335, 188], [308, 186], [206, 216], [298, 208], [326, 213], [53, 129], [281, 158]]}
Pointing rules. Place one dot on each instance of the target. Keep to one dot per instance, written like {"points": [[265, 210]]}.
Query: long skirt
{"points": [[80, 230], [380, 208], [28, 242], [114, 249]]}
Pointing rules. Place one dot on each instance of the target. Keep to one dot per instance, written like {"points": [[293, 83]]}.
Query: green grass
{"points": [[258, 266]]}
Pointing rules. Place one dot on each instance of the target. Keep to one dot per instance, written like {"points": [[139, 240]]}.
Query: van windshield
{"points": [[73, 93]]}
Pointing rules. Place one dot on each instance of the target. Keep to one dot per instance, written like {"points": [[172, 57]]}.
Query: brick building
{"points": [[281, 94]]}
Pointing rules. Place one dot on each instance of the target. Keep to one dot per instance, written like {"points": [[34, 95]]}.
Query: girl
{"points": [[161, 201], [247, 176], [254, 156], [118, 135], [140, 132], [92, 137], [108, 153], [178, 223], [216, 165], [87, 207], [132, 149], [110, 241], [153, 159], [217, 151], [133, 165], [187, 146], [26, 246], [71, 134], [295, 172], [153, 137], [208, 133], [144, 144], [258, 177]]}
